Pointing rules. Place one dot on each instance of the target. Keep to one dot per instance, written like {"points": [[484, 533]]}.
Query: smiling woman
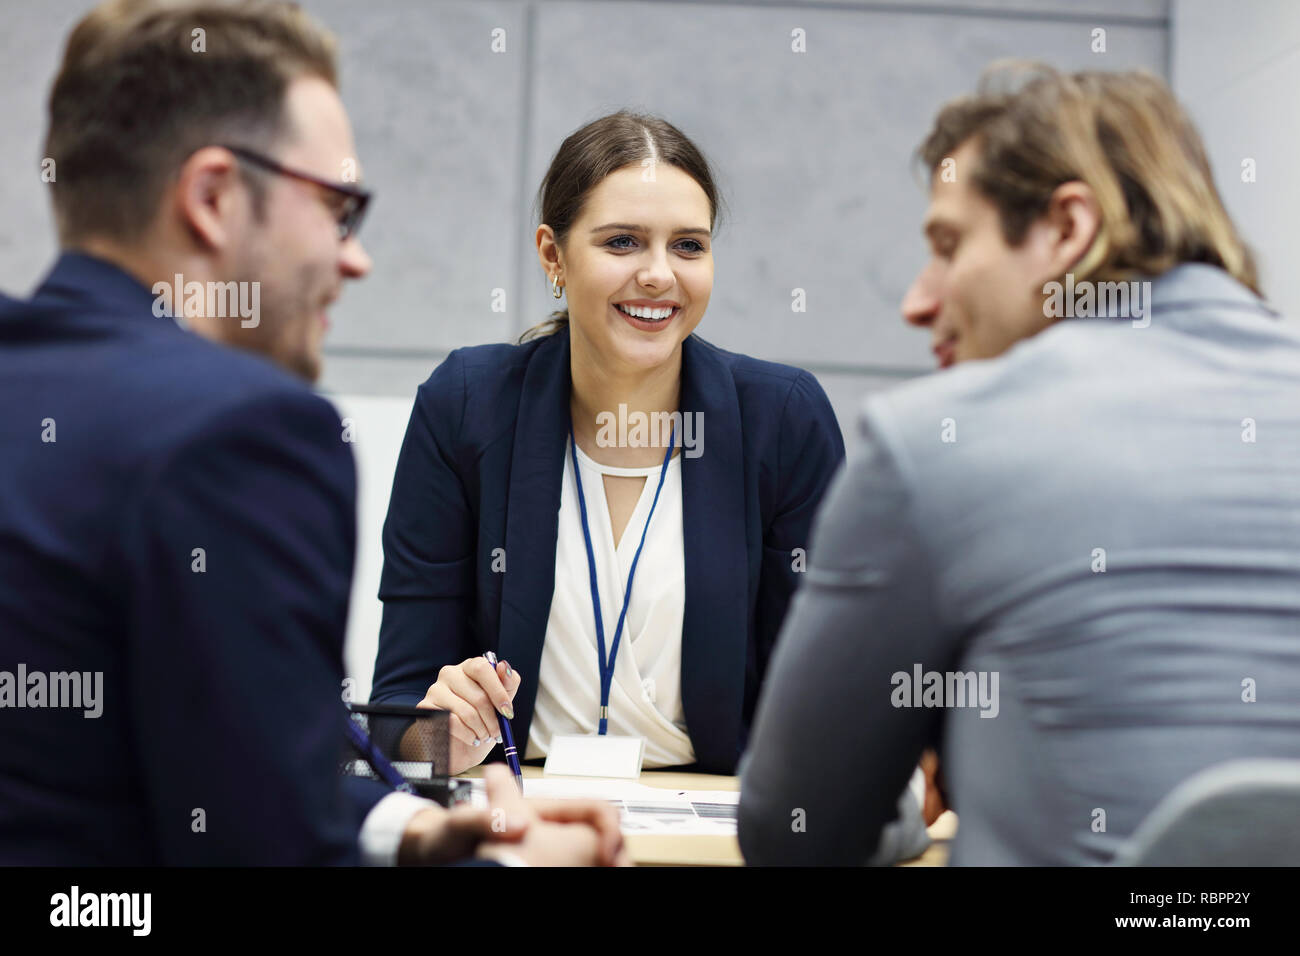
{"points": [[517, 524], [614, 160]]}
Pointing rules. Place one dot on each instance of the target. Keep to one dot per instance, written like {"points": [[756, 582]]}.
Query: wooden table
{"points": [[699, 849]]}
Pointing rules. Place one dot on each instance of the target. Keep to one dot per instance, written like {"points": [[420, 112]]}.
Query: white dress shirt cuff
{"points": [[381, 833]]}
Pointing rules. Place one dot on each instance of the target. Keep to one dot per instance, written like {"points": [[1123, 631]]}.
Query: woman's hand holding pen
{"points": [[474, 692]]}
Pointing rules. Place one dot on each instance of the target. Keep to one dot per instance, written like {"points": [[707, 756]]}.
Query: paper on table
{"points": [[643, 809], [599, 788]]}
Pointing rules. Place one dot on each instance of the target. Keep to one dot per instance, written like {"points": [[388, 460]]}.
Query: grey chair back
{"points": [[1238, 813]]}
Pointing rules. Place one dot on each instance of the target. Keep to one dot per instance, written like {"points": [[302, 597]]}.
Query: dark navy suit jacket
{"points": [[481, 468], [220, 687]]}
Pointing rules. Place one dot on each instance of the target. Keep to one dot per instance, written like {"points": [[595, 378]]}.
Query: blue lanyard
{"points": [[607, 667]]}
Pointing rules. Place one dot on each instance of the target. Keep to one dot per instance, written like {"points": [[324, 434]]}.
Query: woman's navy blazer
{"points": [[469, 542]]}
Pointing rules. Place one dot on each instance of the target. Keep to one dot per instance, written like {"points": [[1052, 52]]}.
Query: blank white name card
{"points": [[591, 755]]}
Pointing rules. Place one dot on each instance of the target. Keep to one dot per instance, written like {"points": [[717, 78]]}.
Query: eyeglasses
{"points": [[351, 207]]}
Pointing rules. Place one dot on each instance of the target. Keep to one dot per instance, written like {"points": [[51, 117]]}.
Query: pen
{"points": [[512, 755]]}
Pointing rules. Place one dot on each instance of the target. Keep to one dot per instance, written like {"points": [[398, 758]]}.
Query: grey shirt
{"points": [[1106, 522]]}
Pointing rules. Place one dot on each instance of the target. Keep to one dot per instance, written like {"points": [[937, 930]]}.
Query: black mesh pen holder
{"points": [[416, 744]]}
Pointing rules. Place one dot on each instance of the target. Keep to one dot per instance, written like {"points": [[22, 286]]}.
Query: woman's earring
{"points": [[555, 286]]}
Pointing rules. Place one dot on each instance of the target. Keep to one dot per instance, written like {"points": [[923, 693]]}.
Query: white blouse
{"points": [[645, 697]]}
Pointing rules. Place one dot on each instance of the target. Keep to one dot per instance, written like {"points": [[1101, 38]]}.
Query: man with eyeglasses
{"points": [[177, 519]]}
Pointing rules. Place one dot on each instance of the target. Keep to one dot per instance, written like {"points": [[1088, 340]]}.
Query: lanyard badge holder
{"points": [[603, 755]]}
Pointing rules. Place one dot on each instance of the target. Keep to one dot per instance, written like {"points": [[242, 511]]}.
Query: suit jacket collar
{"points": [[715, 626], [532, 516], [77, 275], [1196, 284]]}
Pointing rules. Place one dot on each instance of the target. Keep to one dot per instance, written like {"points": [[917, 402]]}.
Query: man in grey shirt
{"points": [[1071, 563]]}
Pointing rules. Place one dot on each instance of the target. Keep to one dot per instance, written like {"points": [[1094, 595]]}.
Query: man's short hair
{"points": [[1123, 134], [145, 83]]}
